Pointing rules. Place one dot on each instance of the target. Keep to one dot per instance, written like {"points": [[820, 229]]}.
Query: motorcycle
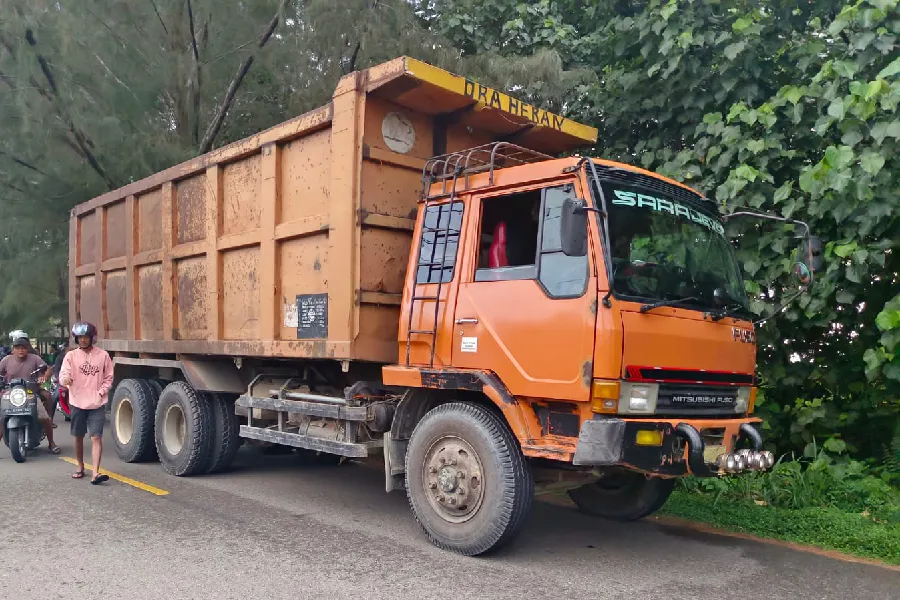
{"points": [[60, 399], [19, 416]]}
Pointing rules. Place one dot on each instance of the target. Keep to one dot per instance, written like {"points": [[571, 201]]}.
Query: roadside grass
{"points": [[824, 527], [830, 502]]}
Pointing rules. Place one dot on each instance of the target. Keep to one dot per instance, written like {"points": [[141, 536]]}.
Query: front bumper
{"points": [[685, 444]]}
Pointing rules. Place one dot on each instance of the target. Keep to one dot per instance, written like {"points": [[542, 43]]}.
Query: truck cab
{"points": [[600, 306]]}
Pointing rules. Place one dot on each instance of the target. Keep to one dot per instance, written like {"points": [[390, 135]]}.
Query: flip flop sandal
{"points": [[100, 479], [78, 475], [56, 450]]}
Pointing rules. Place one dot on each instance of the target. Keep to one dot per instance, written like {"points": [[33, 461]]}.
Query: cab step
{"points": [[308, 442]]}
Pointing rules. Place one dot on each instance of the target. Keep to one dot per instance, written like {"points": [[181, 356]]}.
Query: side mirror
{"points": [[573, 227], [811, 253], [809, 261]]}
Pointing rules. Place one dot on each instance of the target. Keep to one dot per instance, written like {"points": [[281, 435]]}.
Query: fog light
{"points": [[649, 437]]}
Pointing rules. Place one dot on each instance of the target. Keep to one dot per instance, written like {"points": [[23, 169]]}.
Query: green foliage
{"points": [[828, 528], [821, 479]]}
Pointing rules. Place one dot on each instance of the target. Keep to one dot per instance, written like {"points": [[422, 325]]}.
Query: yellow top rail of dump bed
{"points": [[292, 242]]}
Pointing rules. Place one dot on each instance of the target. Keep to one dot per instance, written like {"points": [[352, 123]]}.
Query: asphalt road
{"points": [[273, 528]]}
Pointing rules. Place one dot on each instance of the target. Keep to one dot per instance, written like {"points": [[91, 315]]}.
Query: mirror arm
{"points": [[747, 213]]}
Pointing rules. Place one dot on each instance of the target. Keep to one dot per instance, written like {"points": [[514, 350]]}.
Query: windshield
{"points": [[666, 248]]}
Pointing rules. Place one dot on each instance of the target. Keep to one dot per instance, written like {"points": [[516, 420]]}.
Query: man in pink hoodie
{"points": [[88, 373]]}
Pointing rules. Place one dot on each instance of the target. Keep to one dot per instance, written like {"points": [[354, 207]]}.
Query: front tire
{"points": [[132, 419], [626, 496], [184, 430], [17, 444], [467, 481]]}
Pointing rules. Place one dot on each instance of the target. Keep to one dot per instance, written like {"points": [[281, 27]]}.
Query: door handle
{"points": [[467, 321]]}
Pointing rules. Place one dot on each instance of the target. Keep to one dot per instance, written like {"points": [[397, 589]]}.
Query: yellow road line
{"points": [[121, 478]]}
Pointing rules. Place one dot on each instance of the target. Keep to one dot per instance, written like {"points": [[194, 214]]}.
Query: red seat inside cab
{"points": [[497, 256]]}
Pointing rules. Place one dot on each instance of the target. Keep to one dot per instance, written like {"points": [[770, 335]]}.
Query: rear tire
{"points": [[226, 434], [184, 430], [17, 444], [467, 481], [628, 496], [132, 420]]}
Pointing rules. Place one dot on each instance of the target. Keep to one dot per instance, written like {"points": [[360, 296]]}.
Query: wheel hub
{"points": [[453, 479]]}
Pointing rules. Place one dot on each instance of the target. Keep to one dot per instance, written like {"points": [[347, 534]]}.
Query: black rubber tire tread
{"points": [[641, 498], [142, 447], [226, 438], [15, 447], [513, 477], [158, 386], [195, 454]]}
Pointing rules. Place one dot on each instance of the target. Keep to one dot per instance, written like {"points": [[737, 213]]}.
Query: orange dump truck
{"points": [[407, 272]]}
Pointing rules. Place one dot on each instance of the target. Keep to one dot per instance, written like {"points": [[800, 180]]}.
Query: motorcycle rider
{"points": [[19, 365]]}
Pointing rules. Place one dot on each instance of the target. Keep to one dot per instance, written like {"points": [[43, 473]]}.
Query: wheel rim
{"points": [[452, 476], [23, 443], [125, 421], [174, 429]]}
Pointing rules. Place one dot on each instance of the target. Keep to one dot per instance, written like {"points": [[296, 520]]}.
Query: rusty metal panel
{"points": [[190, 209], [149, 226], [305, 177], [191, 291], [240, 204], [378, 328], [89, 295], [116, 228], [88, 238], [150, 302], [383, 260], [390, 190], [116, 303], [302, 262], [240, 298]]}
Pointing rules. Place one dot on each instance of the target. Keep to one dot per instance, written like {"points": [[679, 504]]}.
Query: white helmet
{"points": [[18, 333]]}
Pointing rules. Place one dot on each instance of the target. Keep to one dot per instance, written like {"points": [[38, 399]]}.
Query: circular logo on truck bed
{"points": [[398, 132]]}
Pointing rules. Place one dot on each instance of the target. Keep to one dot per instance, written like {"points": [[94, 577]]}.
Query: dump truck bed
{"points": [[293, 242]]}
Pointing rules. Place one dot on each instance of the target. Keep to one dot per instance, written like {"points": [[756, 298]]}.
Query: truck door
{"points": [[525, 310]]}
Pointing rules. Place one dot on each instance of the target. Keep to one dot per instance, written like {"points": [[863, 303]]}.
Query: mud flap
{"points": [[393, 476]]}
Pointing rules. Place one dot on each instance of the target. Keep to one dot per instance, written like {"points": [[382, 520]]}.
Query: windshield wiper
{"points": [[733, 310], [670, 302]]}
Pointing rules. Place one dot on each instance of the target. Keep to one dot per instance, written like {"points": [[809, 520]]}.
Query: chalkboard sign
{"points": [[312, 316]]}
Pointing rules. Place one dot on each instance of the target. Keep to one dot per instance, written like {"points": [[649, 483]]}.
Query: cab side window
{"points": [[509, 237], [561, 276], [440, 243], [520, 240]]}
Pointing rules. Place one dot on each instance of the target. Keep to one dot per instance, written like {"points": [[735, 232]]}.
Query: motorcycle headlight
{"points": [[18, 397]]}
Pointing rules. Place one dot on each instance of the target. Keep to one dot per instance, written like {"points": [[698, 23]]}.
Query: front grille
{"points": [[696, 401]]}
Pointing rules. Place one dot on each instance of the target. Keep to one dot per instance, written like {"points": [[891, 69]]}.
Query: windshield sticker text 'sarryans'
{"points": [[633, 199]]}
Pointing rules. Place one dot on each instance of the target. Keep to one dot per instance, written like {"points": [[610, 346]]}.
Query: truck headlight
{"points": [[742, 403], [18, 397], [638, 398]]}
